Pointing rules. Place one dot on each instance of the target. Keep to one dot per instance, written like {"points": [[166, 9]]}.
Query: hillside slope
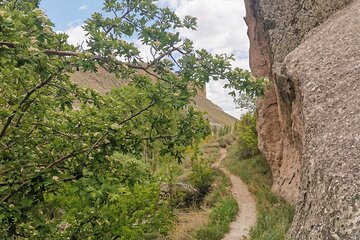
{"points": [[103, 82]]}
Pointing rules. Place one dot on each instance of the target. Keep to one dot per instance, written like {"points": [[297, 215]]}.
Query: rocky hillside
{"points": [[103, 82], [309, 121]]}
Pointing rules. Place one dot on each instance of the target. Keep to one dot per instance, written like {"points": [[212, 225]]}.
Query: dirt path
{"points": [[246, 218]]}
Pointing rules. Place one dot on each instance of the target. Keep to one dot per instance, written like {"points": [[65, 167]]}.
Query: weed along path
{"points": [[246, 218]]}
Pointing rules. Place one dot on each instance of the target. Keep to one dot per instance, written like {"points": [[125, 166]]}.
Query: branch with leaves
{"points": [[68, 152]]}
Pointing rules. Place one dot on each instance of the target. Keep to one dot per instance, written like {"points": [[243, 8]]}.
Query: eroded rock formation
{"points": [[309, 122]]}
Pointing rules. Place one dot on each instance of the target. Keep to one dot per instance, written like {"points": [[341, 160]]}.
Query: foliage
{"points": [[247, 140], [122, 203], [221, 130], [226, 140], [245, 95], [168, 174], [59, 142], [187, 184], [224, 130], [274, 214], [201, 176], [221, 190], [246, 102]]}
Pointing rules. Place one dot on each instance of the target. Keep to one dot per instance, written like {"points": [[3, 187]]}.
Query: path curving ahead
{"points": [[246, 218]]}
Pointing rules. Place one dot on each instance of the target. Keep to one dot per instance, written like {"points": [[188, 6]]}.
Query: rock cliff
{"points": [[309, 121]]}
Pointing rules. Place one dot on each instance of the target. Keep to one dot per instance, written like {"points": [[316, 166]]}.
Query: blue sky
{"points": [[67, 13], [221, 29]]}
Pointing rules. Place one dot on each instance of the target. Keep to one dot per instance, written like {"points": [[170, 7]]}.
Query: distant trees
{"points": [[67, 174]]}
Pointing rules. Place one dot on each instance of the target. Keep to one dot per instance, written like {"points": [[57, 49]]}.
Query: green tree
{"points": [[247, 139], [52, 157]]}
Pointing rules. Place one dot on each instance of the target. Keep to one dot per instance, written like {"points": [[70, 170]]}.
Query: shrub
{"points": [[123, 202], [222, 142], [226, 140], [247, 139], [223, 130], [202, 176]]}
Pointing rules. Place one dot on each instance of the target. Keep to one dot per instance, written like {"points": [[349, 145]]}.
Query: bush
{"points": [[123, 202], [223, 130], [247, 139], [202, 176], [226, 140]]}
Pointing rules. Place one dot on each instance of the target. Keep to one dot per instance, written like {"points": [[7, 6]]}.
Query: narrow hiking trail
{"points": [[246, 218]]}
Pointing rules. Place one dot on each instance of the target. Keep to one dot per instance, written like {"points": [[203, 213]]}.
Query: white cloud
{"points": [[76, 35], [241, 62], [83, 7], [221, 29], [216, 93], [145, 52]]}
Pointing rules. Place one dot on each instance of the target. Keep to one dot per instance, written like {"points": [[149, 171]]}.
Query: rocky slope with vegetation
{"points": [[103, 81], [308, 122]]}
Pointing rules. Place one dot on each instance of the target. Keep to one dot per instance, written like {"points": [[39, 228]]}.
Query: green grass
{"points": [[219, 200], [221, 216], [223, 211], [274, 214]]}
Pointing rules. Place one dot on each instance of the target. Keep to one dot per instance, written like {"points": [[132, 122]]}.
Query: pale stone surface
{"points": [[326, 69], [277, 27], [318, 109], [287, 22]]}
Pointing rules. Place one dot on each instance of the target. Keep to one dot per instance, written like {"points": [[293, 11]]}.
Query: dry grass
{"points": [[188, 222], [214, 113], [220, 207]]}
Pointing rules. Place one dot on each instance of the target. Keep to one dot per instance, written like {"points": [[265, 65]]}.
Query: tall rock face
{"points": [[309, 122]]}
